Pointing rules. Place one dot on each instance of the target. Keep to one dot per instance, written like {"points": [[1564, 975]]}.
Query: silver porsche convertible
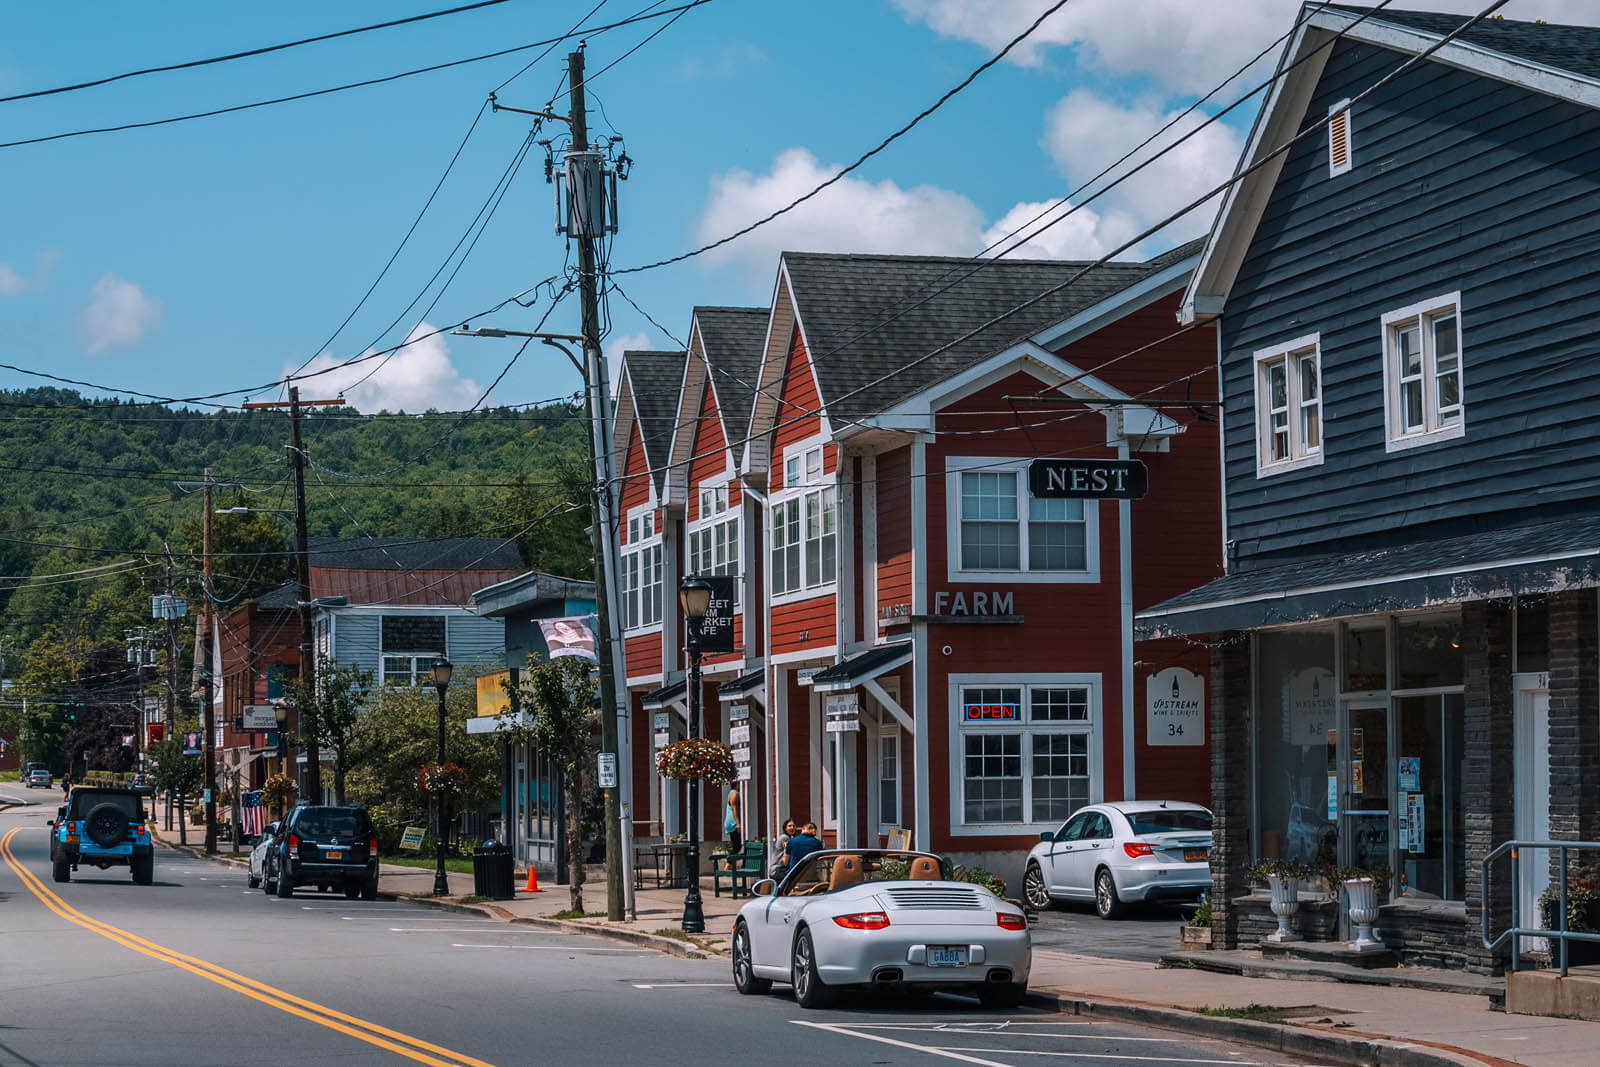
{"points": [[875, 917]]}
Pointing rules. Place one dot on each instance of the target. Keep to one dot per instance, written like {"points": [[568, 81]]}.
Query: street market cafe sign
{"points": [[991, 712], [1174, 708], [714, 632], [260, 718], [1078, 479]]}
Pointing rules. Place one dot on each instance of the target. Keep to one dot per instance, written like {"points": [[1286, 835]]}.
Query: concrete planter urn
{"points": [[1363, 896], [1285, 902]]}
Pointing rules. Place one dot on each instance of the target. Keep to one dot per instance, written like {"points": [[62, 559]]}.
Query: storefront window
{"points": [[1365, 666], [1025, 753], [1296, 720], [1428, 652], [1430, 840]]}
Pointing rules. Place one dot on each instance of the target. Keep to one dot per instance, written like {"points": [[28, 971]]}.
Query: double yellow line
{"points": [[401, 1044]]}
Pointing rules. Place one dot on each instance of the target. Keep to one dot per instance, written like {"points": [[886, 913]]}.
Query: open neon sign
{"points": [[1001, 712]]}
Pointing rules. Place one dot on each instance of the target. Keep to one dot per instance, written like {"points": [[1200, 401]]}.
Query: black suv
{"points": [[102, 828], [324, 846]]}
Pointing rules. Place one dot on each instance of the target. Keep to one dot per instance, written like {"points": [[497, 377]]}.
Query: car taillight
{"points": [[863, 920], [1009, 921], [294, 844], [372, 846], [72, 827], [139, 829], [1137, 849]]}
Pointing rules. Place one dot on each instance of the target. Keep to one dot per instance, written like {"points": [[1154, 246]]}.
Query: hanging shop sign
{"points": [[739, 734], [1079, 479], [844, 713], [260, 717], [805, 674], [1175, 708], [714, 633], [191, 743], [739, 713]]}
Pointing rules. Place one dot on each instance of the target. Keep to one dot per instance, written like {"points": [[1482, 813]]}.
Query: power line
{"points": [[264, 50]]}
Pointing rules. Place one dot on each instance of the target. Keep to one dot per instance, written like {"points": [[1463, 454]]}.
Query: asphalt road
{"points": [[198, 969], [1144, 933]]}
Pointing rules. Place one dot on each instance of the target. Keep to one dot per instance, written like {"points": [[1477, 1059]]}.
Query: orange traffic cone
{"points": [[533, 881]]}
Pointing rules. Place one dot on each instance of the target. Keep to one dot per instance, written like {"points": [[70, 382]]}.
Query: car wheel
{"points": [[809, 989], [1002, 994], [285, 885], [1106, 902], [744, 975], [143, 869], [1034, 890], [60, 869], [106, 825], [351, 892], [370, 890], [253, 881]]}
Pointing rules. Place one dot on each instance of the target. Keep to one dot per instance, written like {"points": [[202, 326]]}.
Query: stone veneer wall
{"points": [[1317, 919], [1574, 721], [1231, 801], [1431, 933], [1487, 772]]}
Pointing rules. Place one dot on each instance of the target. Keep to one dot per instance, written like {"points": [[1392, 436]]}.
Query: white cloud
{"points": [[119, 314], [852, 215], [1080, 234], [1084, 133], [617, 344], [14, 283], [1186, 45], [417, 378]]}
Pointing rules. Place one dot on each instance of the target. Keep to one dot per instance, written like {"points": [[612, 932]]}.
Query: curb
{"points": [[1355, 1049], [671, 946]]}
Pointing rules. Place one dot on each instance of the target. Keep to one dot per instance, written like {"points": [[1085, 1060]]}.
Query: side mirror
{"points": [[1047, 836], [764, 888]]}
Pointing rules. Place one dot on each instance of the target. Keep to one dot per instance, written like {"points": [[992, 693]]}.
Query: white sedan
{"points": [[258, 855], [874, 917], [1113, 854]]}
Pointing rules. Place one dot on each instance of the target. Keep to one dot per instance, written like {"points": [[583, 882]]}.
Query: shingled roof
{"points": [[1571, 48], [733, 338], [411, 554], [655, 378], [867, 316]]}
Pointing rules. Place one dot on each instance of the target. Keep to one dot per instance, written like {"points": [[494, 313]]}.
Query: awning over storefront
{"points": [[863, 667], [665, 697], [753, 685], [1524, 560]]}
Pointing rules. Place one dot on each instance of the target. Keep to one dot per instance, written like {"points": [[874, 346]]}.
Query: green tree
{"points": [[41, 698], [331, 714], [177, 775], [560, 694]]}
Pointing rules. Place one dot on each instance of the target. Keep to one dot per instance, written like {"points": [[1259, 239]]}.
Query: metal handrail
{"points": [[1517, 931]]}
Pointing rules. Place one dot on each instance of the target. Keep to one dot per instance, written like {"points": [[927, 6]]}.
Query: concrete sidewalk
{"points": [[1321, 1019]]}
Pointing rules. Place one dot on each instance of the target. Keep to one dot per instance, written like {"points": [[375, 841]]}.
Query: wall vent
{"points": [[1339, 138]]}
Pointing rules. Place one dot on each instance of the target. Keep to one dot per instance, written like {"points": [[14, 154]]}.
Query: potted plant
{"points": [[1583, 914], [1195, 935], [278, 791], [1283, 878], [1364, 888]]}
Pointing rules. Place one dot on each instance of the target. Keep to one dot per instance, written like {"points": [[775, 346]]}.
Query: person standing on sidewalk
{"points": [[66, 785], [730, 827]]}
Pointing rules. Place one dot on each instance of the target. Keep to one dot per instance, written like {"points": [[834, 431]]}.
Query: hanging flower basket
{"points": [[279, 789], [696, 757], [441, 778]]}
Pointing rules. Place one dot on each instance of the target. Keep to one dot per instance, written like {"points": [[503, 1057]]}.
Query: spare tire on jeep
{"points": [[106, 825]]}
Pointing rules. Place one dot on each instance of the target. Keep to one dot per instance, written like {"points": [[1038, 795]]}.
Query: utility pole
{"points": [[170, 732], [208, 714], [308, 657]]}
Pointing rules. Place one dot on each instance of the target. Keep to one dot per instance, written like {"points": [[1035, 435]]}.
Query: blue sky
{"points": [[221, 253]]}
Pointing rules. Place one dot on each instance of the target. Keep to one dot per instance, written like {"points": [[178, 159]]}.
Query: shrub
{"points": [[978, 876]]}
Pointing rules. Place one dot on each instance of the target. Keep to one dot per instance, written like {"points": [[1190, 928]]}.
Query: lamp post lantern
{"points": [[694, 596], [441, 682]]}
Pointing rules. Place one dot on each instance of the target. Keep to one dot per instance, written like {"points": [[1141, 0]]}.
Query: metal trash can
{"points": [[491, 871]]}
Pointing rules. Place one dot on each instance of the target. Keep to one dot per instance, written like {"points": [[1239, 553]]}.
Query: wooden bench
{"points": [[740, 868]]}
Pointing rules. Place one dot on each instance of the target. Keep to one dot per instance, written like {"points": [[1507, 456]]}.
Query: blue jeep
{"points": [[103, 828]]}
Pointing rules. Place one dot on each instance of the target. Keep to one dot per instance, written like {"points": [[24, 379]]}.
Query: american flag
{"points": [[252, 816]]}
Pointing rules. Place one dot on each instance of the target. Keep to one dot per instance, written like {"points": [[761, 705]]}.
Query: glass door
{"points": [[1363, 784]]}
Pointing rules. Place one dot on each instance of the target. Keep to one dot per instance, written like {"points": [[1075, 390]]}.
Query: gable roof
{"points": [[650, 384], [733, 338], [869, 317], [1556, 60]]}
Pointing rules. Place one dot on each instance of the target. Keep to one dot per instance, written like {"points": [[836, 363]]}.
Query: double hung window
{"points": [[998, 527], [642, 576], [1422, 372], [804, 526], [1289, 406], [1025, 753], [714, 539], [408, 669]]}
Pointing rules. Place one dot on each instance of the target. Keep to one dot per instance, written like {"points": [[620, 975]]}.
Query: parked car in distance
{"points": [[39, 776], [103, 828], [325, 846], [1118, 853], [258, 856], [886, 919]]}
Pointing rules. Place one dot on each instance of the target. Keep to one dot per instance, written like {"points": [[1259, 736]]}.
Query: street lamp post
{"points": [[694, 596], [441, 682]]}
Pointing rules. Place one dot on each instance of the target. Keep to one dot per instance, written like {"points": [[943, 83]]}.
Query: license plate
{"points": [[1194, 855], [947, 956], [333, 855]]}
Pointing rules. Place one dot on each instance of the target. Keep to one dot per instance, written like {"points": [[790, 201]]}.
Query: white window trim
{"points": [[645, 513], [1299, 455], [955, 467], [1395, 438], [702, 523], [1096, 728], [1334, 170], [799, 492], [417, 671], [888, 729]]}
